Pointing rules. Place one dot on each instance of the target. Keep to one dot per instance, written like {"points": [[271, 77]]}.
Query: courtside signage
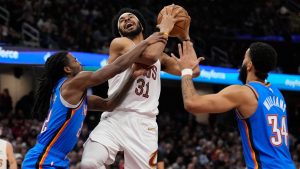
{"points": [[92, 61]]}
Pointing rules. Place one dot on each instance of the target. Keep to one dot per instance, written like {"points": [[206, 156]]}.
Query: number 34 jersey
{"points": [[143, 95], [265, 134]]}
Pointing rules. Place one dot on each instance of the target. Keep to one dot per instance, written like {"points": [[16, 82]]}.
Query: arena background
{"points": [[221, 31]]}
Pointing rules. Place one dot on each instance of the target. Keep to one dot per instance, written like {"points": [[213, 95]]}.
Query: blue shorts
{"points": [[38, 158]]}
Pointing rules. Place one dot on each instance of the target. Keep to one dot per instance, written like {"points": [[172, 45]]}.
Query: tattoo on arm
{"points": [[188, 88]]}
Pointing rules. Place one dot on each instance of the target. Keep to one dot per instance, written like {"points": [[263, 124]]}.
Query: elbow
{"points": [[110, 106], [149, 58], [191, 107]]}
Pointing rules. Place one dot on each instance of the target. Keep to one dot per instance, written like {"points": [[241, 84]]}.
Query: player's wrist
{"points": [[186, 72]]}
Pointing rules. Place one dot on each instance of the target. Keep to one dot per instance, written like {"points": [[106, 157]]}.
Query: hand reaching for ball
{"points": [[175, 13], [168, 19]]}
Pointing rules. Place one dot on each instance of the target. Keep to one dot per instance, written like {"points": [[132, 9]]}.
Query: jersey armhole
{"points": [[67, 104], [253, 90], [239, 114]]}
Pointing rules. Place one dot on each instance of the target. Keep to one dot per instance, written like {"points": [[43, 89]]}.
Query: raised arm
{"points": [[154, 51], [11, 157], [234, 96], [73, 89], [170, 65], [87, 79]]}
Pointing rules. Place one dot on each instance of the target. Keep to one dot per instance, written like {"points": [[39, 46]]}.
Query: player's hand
{"points": [[156, 37], [168, 20], [187, 56], [138, 69], [186, 35]]}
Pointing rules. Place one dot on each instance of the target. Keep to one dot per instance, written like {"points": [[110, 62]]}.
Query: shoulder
{"points": [[118, 47], [237, 92], [120, 42]]}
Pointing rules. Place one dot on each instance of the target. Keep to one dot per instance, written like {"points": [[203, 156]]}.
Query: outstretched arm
{"points": [[229, 98], [88, 79], [73, 88], [100, 104]]}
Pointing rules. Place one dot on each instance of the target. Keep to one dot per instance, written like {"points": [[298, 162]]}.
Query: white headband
{"points": [[127, 13]]}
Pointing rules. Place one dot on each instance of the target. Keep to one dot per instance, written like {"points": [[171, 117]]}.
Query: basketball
{"points": [[180, 27]]}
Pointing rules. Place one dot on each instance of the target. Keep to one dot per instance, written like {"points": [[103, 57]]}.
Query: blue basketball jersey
{"points": [[60, 131], [265, 133]]}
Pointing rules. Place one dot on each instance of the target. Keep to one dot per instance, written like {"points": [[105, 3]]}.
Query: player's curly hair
{"points": [[115, 29], [54, 70], [263, 57]]}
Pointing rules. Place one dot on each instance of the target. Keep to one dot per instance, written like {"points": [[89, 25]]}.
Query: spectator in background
{"points": [[5, 101], [25, 104]]}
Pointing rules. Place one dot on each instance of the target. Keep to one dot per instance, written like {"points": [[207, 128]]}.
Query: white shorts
{"points": [[135, 134]]}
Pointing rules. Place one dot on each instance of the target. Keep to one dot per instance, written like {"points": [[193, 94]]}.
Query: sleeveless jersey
{"points": [[62, 127], [265, 134], [3, 154], [143, 95]]}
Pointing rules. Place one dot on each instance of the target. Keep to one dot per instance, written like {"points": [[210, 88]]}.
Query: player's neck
{"points": [[137, 39]]}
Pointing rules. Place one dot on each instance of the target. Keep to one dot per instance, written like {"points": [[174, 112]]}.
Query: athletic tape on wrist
{"points": [[186, 72]]}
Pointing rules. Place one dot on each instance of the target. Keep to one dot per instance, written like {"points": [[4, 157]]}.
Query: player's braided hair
{"points": [[115, 29], [54, 70]]}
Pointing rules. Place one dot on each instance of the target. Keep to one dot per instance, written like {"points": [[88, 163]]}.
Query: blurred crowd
{"points": [[184, 143], [85, 25]]}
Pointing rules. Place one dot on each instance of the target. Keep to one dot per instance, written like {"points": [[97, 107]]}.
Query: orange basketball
{"points": [[180, 27]]}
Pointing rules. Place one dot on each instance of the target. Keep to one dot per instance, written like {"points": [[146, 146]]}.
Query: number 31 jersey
{"points": [[265, 133], [143, 95]]}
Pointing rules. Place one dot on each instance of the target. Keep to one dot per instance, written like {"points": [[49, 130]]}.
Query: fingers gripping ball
{"points": [[180, 27]]}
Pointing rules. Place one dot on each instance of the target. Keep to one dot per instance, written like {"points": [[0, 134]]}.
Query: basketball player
{"points": [[64, 86], [132, 126], [260, 107], [7, 155]]}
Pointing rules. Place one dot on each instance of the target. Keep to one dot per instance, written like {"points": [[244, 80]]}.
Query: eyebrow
{"points": [[130, 14]]}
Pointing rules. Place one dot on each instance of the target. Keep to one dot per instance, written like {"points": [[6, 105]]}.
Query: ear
{"points": [[250, 66], [67, 70], [141, 26]]}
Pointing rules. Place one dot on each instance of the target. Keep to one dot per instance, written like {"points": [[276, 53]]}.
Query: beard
{"points": [[243, 74], [132, 33]]}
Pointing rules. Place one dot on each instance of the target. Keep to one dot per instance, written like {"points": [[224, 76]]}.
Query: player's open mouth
{"points": [[128, 25]]}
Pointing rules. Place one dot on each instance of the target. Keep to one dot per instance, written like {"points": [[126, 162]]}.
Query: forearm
{"points": [[97, 103], [154, 51], [188, 91], [125, 60], [13, 165], [118, 96]]}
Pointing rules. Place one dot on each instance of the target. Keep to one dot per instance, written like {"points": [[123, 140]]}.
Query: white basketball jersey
{"points": [[143, 95], [3, 154]]}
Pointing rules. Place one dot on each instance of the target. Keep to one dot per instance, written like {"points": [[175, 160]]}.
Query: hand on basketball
{"points": [[185, 36], [187, 56], [169, 19]]}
